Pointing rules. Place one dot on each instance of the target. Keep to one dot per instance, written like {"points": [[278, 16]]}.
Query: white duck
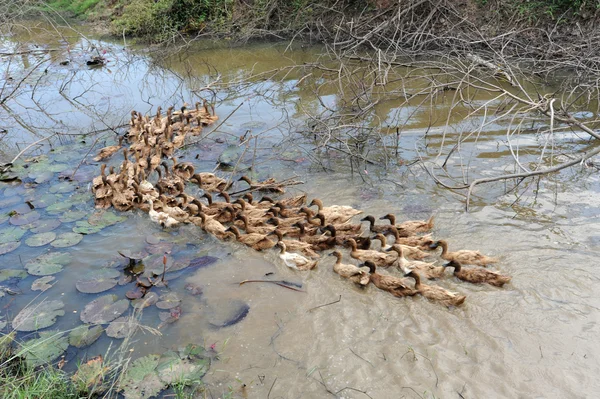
{"points": [[295, 261], [161, 218]]}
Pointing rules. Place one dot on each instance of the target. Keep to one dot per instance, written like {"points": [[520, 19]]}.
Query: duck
{"points": [[357, 275], [477, 275], [295, 245], [212, 226], [375, 228], [184, 170], [108, 152], [428, 269], [410, 252], [209, 182], [254, 228], [336, 214], [410, 227], [122, 199], [436, 293], [169, 183], [394, 285], [162, 218], [421, 242], [464, 256], [269, 185], [378, 258], [254, 240], [294, 260], [265, 202], [250, 210]]}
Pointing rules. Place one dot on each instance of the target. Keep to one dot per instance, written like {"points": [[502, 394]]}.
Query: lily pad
{"points": [[161, 248], [168, 301], [49, 346], [152, 239], [9, 247], [122, 327], [42, 283], [43, 225], [38, 316], [104, 309], [105, 218], [172, 367], [59, 207], [89, 376], [141, 379], [194, 289], [98, 281], [85, 335], [71, 216], [8, 274], [67, 240], [38, 240], [11, 234], [45, 200], [20, 220], [47, 264], [21, 209], [150, 299], [84, 227], [42, 176], [9, 201], [62, 187], [169, 317], [58, 167]]}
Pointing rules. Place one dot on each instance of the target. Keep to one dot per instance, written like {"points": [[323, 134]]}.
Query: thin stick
{"points": [[215, 129], [327, 304], [7, 166], [276, 282], [272, 385], [85, 156], [360, 357]]}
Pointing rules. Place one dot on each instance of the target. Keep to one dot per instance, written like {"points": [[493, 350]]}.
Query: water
{"points": [[533, 338]]}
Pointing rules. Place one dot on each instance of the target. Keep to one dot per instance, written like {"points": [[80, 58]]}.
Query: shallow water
{"points": [[534, 338]]}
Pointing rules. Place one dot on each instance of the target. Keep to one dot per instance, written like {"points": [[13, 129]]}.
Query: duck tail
{"points": [[430, 222]]}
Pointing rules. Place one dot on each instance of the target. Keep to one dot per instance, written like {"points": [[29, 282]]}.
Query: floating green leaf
{"points": [[62, 187], [104, 309], [49, 346], [105, 218], [84, 227], [11, 234], [98, 281], [42, 283], [38, 316], [168, 301], [47, 264], [173, 368], [71, 216], [45, 200], [141, 380], [85, 335], [67, 240], [9, 247], [38, 240], [20, 220], [59, 207], [58, 167], [41, 176], [122, 327], [9, 201], [7, 274], [150, 299], [43, 225]]}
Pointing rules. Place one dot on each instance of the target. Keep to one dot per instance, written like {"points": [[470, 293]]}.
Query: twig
{"points": [[270, 389], [360, 357], [85, 156], [280, 283], [327, 304], [7, 166]]}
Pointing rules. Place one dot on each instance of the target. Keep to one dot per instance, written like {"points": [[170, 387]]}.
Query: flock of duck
{"points": [[301, 231]]}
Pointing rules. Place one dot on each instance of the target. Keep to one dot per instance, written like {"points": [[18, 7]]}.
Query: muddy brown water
{"points": [[536, 337]]}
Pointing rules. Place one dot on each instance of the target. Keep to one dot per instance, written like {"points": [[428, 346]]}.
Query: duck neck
{"points": [[392, 219], [417, 279], [444, 246]]}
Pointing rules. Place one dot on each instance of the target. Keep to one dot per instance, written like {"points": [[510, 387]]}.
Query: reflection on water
{"points": [[533, 338]]}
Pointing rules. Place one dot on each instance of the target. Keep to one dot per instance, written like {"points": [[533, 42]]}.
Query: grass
{"points": [[76, 7]]}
